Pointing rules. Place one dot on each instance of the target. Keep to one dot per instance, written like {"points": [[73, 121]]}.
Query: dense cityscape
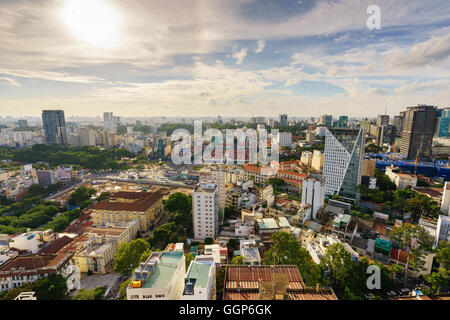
{"points": [[96, 209]]}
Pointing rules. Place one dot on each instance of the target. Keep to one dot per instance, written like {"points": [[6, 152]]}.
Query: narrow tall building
{"points": [[382, 120], [54, 126], [205, 209], [283, 120], [313, 193], [418, 131], [343, 156], [217, 177]]}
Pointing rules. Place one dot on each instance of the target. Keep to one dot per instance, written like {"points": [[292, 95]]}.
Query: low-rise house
{"points": [[160, 277], [280, 282], [200, 279], [401, 180], [249, 250]]}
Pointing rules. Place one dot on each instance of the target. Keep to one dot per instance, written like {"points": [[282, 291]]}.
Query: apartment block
{"points": [[205, 209]]}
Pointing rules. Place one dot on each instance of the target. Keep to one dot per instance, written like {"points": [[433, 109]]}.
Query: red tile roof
{"points": [[56, 245], [142, 201]]}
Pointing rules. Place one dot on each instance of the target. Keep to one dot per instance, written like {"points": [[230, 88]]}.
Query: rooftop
{"points": [[199, 272], [164, 269], [129, 201]]}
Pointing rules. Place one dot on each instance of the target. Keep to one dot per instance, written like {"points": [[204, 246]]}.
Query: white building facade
{"points": [[205, 211], [313, 193]]}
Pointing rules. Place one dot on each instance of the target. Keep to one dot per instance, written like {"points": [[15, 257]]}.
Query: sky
{"points": [[188, 58]]}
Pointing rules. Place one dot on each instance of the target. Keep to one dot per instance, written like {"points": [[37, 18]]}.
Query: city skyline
{"points": [[243, 58]]}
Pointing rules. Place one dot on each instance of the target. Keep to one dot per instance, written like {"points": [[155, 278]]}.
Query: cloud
{"points": [[261, 46], [51, 76], [9, 82], [377, 92], [240, 55], [432, 51], [415, 87], [335, 71]]}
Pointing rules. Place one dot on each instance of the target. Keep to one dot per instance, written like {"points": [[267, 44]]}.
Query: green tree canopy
{"points": [[52, 287], [129, 254], [238, 260], [416, 242], [178, 202]]}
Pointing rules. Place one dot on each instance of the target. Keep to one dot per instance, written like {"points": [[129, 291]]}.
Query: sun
{"points": [[94, 22]]}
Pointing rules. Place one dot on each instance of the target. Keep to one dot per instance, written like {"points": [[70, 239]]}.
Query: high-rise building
{"points": [[87, 137], [326, 120], [317, 161], [385, 134], [368, 167], [205, 209], [283, 120], [443, 229], [445, 203], [342, 122], [343, 155], [313, 192], [217, 177], [310, 136], [107, 119], [382, 120], [54, 126], [444, 124], [418, 131], [398, 124]]}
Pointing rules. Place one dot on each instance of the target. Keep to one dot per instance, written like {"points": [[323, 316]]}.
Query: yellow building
{"points": [[98, 251], [368, 167], [126, 206]]}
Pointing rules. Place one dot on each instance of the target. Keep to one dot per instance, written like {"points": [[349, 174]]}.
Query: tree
{"points": [[36, 190], [228, 212], [80, 196], [52, 287], [94, 294], [238, 260], [276, 182], [220, 281], [338, 261], [209, 241], [145, 255], [443, 254], [189, 258], [439, 279], [123, 288], [178, 202], [163, 235], [287, 250], [129, 254], [416, 242], [232, 244]]}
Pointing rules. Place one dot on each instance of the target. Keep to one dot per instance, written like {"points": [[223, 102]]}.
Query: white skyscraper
{"points": [[313, 192], [205, 209], [217, 177], [343, 155], [443, 229], [445, 204]]}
